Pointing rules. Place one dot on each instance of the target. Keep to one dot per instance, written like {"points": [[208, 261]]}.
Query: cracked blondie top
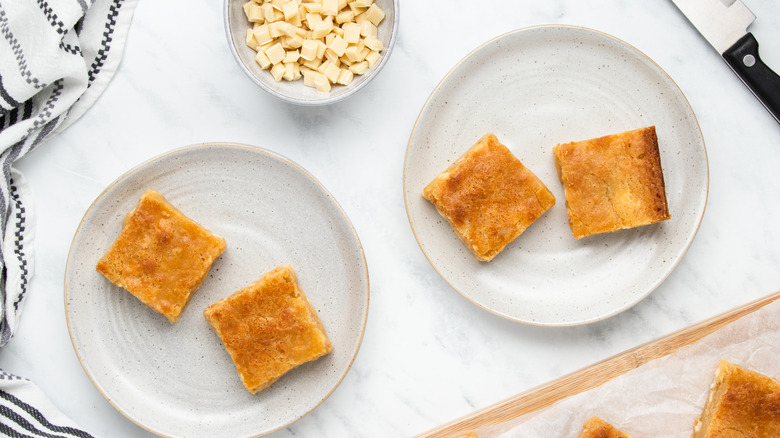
{"points": [[612, 182], [488, 197]]}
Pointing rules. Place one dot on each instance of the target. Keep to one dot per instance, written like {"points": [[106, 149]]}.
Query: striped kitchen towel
{"points": [[56, 58], [25, 412]]}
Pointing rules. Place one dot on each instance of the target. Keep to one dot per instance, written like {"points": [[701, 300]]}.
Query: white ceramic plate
{"points": [[535, 88], [178, 380]]}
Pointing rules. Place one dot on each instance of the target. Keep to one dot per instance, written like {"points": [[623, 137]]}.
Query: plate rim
{"points": [[237, 146], [690, 236]]}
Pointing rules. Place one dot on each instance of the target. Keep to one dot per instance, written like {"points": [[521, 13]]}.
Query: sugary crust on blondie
{"points": [[268, 328], [741, 403], [612, 182], [488, 197], [161, 256]]}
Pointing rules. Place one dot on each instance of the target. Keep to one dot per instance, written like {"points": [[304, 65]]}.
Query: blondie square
{"points": [[268, 328], [741, 403], [161, 256], [612, 182], [488, 197], [595, 427]]}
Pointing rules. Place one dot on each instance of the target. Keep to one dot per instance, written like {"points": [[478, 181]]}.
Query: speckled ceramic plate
{"points": [[535, 88], [178, 380]]}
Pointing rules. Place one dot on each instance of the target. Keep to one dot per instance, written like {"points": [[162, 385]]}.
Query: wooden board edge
{"points": [[592, 376]]}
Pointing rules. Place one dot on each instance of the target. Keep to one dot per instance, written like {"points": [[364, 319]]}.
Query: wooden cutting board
{"points": [[592, 376]]}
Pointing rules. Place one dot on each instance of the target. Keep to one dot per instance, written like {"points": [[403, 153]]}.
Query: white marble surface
{"points": [[428, 355]]}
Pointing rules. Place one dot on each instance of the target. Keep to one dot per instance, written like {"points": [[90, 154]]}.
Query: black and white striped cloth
{"points": [[26, 412], [56, 58]]}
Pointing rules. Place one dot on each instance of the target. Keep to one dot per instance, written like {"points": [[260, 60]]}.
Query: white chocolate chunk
{"points": [[321, 83], [373, 44], [351, 33], [321, 29], [275, 53], [291, 56], [345, 77], [290, 11], [345, 16], [309, 49], [263, 34], [278, 71], [359, 68], [368, 29], [375, 14], [255, 14], [372, 58], [251, 41], [332, 72], [339, 45], [330, 7], [263, 61]]}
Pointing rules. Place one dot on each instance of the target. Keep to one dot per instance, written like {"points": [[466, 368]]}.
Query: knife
{"points": [[724, 23]]}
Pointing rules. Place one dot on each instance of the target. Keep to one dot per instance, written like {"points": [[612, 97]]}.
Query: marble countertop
{"points": [[428, 355]]}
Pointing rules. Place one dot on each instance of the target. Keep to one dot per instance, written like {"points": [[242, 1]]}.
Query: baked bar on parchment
{"points": [[741, 403]]}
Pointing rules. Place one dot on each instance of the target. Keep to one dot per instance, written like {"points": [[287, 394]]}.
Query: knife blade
{"points": [[724, 24]]}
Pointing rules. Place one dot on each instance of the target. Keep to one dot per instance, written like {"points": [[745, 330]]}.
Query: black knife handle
{"points": [[743, 58]]}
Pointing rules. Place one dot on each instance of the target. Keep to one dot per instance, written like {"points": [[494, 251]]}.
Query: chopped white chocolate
{"points": [[345, 77], [314, 64], [292, 42], [321, 83], [375, 14], [291, 56], [313, 8], [373, 44], [278, 71], [331, 56], [332, 71], [321, 29], [309, 50], [353, 53], [357, 9], [330, 7], [372, 58], [321, 47], [276, 53], [291, 69], [368, 29], [312, 20], [251, 41], [324, 42], [262, 60], [339, 45], [359, 68], [246, 8], [262, 34], [351, 33], [255, 13], [290, 11], [345, 16], [308, 77]]}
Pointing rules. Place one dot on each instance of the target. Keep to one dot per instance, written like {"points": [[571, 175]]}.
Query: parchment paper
{"points": [[664, 397]]}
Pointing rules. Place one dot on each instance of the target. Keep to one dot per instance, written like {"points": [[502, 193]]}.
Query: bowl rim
{"points": [[326, 98]]}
